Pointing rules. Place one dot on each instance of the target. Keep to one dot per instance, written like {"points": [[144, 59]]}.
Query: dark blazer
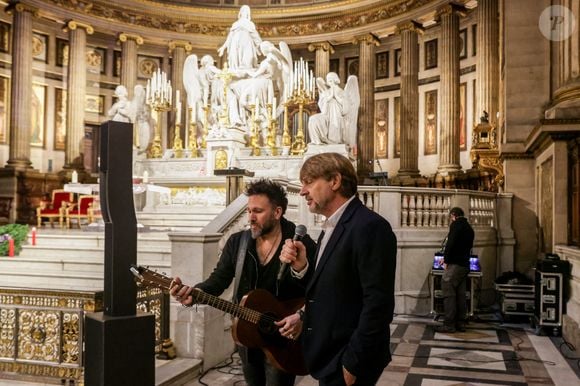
{"points": [[459, 243], [350, 297]]}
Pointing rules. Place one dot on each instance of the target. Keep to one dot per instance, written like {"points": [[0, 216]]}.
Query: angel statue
{"points": [[121, 109], [276, 67], [242, 43], [337, 121]]}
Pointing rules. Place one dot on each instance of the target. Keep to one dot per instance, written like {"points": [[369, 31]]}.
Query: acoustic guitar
{"points": [[254, 319]]}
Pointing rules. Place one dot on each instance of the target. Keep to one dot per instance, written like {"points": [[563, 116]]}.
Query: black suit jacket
{"points": [[350, 297]]}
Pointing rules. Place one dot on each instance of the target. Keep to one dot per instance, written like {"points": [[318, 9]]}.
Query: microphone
{"points": [[299, 233]]}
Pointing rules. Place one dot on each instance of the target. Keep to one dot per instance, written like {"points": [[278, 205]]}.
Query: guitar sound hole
{"points": [[266, 325]]}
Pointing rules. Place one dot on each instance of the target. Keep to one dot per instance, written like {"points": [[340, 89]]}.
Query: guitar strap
{"points": [[240, 262]]}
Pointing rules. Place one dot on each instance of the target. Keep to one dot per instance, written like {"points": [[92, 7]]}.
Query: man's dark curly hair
{"points": [[273, 190]]}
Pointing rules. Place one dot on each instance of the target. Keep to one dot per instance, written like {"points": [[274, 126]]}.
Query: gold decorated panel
{"points": [[39, 335], [7, 333]]}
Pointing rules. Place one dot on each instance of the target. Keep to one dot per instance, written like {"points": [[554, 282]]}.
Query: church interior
{"points": [[469, 103]]}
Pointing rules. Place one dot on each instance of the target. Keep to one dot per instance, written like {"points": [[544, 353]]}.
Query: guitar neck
{"points": [[199, 296]]}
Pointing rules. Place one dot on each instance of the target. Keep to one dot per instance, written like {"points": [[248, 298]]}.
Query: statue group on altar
{"points": [[246, 97]]}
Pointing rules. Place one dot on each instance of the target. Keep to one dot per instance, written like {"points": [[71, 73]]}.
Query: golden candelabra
{"points": [[205, 128], [177, 142], [158, 96], [271, 139], [299, 145], [192, 138], [286, 138], [254, 140], [158, 106]]}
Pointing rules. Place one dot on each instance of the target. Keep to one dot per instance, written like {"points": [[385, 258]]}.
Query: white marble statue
{"points": [[141, 118], [121, 109], [202, 86], [242, 43], [337, 121]]}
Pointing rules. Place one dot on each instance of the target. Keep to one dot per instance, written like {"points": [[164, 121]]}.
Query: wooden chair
{"points": [[80, 210], [54, 208]]}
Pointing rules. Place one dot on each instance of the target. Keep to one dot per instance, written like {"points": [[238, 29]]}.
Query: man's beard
{"points": [[265, 229]]}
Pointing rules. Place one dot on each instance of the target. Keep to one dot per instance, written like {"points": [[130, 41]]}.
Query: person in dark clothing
{"points": [[267, 204], [350, 296], [456, 264]]}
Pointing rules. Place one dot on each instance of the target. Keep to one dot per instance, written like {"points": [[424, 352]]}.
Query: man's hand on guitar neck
{"points": [[181, 293]]}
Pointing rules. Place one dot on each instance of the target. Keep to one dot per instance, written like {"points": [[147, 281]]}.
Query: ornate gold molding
{"points": [[327, 19], [409, 25], [325, 46], [180, 43], [21, 7], [123, 37], [72, 25], [367, 39]]}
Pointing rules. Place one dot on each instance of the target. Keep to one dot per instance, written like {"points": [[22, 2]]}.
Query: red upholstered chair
{"points": [[80, 210], [54, 208]]}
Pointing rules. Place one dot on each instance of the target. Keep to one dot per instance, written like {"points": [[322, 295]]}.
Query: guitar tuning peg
{"points": [[163, 273]]}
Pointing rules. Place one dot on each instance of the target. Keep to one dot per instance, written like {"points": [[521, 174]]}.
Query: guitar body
{"points": [[283, 353], [253, 320]]}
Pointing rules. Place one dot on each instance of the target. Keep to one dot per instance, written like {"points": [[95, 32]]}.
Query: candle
{"points": [[273, 107], [178, 113], [33, 236], [145, 177], [75, 177], [10, 247]]}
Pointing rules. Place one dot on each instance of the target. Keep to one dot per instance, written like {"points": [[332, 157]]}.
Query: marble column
{"points": [[129, 46], [409, 115], [76, 90], [178, 50], [21, 85], [322, 50], [366, 77], [487, 59], [449, 48]]}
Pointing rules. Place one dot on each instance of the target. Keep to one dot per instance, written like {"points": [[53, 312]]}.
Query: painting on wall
{"points": [[335, 66], [382, 63], [397, 127], [381, 128], [431, 54], [431, 122], [147, 65], [4, 37], [352, 66], [116, 63], [60, 96], [397, 62], [4, 84], [462, 116], [62, 48], [96, 59], [38, 118], [463, 43], [40, 47], [95, 104]]}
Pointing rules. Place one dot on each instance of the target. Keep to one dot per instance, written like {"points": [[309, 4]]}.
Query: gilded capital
{"points": [[180, 43], [20, 7], [123, 37], [325, 46], [449, 9], [410, 25], [366, 38], [72, 25]]}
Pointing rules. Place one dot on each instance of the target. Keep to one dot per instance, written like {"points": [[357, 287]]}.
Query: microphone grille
{"points": [[300, 230]]}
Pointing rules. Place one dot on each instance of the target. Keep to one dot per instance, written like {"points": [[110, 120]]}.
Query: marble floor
{"points": [[487, 354]]}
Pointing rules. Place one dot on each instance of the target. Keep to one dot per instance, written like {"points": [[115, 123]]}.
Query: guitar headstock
{"points": [[150, 278]]}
